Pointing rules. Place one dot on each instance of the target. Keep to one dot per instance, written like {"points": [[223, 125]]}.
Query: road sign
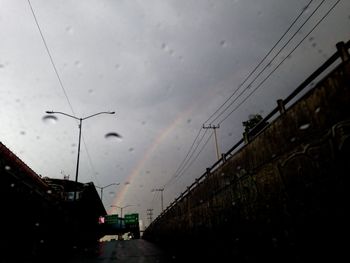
{"points": [[111, 219], [131, 219]]}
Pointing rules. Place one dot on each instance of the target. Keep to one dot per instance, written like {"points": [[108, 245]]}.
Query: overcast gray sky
{"points": [[164, 67]]}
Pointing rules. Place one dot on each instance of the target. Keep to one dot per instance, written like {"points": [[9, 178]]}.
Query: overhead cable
{"points": [[60, 82], [263, 81], [185, 168], [51, 59], [268, 53], [188, 156]]}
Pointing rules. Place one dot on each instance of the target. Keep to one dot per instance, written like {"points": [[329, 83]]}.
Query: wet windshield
{"points": [[172, 117]]}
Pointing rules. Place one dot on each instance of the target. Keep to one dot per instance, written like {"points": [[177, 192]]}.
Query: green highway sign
{"points": [[131, 219], [111, 219]]}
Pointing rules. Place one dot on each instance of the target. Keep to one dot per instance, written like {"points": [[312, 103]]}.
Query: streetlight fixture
{"points": [[103, 187], [121, 208], [80, 124]]}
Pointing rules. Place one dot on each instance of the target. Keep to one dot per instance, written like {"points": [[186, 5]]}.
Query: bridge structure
{"points": [[279, 194]]}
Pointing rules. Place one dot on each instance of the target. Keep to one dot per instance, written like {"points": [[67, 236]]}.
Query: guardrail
{"points": [[342, 53]]}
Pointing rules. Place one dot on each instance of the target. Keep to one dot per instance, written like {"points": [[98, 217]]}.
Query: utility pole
{"points": [[161, 195], [216, 139], [150, 214]]}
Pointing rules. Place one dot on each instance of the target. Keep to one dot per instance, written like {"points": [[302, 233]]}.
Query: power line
{"points": [[184, 163], [60, 82], [161, 195], [190, 164], [186, 160], [51, 59], [263, 81], [214, 127], [268, 64], [154, 198], [150, 215], [90, 161], [268, 53]]}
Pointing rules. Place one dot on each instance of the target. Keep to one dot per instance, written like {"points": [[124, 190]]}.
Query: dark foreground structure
{"points": [[278, 196], [40, 220]]}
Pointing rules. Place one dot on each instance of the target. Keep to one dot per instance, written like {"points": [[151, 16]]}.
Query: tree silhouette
{"points": [[253, 125]]}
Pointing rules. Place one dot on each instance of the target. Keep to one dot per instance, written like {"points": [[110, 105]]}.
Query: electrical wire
{"points": [[187, 157], [61, 84], [184, 164], [51, 59], [268, 64], [263, 81], [257, 66], [279, 40], [90, 162], [191, 163]]}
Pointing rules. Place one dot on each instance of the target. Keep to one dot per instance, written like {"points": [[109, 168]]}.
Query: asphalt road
{"points": [[125, 251]]}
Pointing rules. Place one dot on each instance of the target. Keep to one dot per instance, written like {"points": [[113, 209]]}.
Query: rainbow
{"points": [[159, 138]]}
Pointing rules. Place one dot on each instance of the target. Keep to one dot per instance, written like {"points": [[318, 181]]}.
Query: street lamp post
{"points": [[80, 125], [103, 187], [121, 208]]}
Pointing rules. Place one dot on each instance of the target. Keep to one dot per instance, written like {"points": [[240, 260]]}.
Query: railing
{"points": [[342, 53]]}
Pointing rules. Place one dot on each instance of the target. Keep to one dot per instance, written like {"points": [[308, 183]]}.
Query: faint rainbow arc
{"points": [[121, 194]]}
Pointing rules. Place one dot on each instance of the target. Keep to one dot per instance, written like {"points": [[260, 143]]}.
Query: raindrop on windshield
{"points": [[304, 126], [306, 9], [113, 136], [77, 64], [69, 30], [49, 119]]}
